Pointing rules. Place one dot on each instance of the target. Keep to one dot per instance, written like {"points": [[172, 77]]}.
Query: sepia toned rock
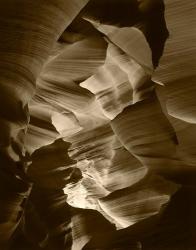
{"points": [[97, 125]]}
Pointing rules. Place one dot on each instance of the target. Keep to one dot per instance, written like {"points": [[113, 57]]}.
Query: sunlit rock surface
{"points": [[28, 32], [132, 204], [97, 125]]}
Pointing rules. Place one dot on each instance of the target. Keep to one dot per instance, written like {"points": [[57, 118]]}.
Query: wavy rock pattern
{"points": [[27, 36], [138, 202], [97, 124], [179, 54]]}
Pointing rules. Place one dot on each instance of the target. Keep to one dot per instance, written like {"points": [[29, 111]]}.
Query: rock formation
{"points": [[97, 125]]}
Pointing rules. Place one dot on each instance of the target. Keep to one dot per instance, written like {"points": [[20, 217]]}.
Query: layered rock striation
{"points": [[97, 125]]}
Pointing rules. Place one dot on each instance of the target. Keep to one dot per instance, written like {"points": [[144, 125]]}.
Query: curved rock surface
{"points": [[97, 124]]}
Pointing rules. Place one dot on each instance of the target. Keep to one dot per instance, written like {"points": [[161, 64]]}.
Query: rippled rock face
{"points": [[97, 124]]}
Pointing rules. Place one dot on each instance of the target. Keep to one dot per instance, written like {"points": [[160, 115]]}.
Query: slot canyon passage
{"points": [[97, 125]]}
